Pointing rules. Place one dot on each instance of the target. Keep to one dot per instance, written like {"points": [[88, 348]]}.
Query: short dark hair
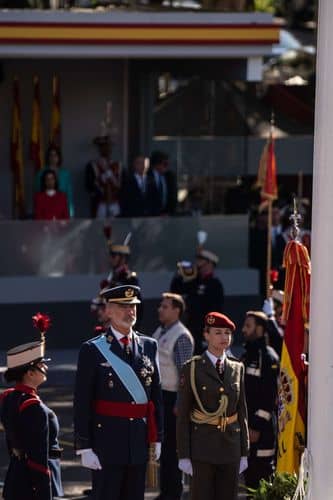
{"points": [[45, 173], [158, 157], [177, 301], [53, 147]]}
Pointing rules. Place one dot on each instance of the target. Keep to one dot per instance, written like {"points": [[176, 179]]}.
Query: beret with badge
{"points": [[219, 320]]}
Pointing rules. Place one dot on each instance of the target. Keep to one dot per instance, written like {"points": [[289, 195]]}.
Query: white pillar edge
{"points": [[320, 428]]}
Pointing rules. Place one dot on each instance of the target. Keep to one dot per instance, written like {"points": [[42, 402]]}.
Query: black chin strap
{"points": [[41, 370]]}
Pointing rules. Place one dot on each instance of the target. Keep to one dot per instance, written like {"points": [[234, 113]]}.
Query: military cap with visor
{"points": [[123, 294], [30, 353]]}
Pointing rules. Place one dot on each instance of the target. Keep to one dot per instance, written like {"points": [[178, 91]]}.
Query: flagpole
{"points": [[269, 249], [269, 230], [320, 428]]}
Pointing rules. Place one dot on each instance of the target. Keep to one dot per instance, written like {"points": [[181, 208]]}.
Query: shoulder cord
{"points": [[221, 410]]}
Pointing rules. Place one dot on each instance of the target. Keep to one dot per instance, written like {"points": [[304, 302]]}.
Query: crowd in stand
{"points": [[148, 188]]}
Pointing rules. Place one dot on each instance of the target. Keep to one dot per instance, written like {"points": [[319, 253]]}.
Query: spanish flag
{"points": [[292, 391], [267, 179], [55, 129], [17, 154], [36, 144]]}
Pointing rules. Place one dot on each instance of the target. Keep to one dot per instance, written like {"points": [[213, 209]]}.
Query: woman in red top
{"points": [[50, 204]]}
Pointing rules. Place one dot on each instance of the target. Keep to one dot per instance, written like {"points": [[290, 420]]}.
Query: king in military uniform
{"points": [[117, 402], [212, 431]]}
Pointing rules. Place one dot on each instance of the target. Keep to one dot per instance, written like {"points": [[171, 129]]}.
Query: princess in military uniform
{"points": [[212, 430], [31, 427]]}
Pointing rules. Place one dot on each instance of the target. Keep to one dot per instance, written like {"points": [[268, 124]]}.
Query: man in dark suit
{"points": [[161, 186], [133, 196], [118, 402], [212, 431]]}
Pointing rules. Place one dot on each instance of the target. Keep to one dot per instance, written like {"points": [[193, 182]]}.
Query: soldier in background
{"points": [[261, 378], [201, 290], [175, 347], [120, 273], [212, 432], [93, 172]]}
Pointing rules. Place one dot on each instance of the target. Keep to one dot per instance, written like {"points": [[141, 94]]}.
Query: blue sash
{"points": [[126, 374]]}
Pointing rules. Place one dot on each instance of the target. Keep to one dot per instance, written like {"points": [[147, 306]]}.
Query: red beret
{"points": [[219, 320]]}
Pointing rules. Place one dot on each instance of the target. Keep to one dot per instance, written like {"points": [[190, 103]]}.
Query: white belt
{"points": [[265, 453], [256, 372], [263, 414]]}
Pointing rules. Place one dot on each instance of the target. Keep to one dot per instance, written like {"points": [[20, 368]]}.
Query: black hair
{"points": [[16, 374], [158, 157], [53, 147], [45, 173]]}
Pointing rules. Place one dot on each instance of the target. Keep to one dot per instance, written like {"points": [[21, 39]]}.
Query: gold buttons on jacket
{"points": [[203, 387], [221, 389], [99, 425], [131, 419]]}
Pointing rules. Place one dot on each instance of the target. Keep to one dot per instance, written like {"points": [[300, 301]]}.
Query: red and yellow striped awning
{"points": [[23, 33]]}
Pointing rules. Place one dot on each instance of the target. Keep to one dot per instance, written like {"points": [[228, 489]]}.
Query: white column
{"points": [[320, 421], [254, 69]]}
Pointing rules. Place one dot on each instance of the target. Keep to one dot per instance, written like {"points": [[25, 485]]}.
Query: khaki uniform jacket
{"points": [[205, 442]]}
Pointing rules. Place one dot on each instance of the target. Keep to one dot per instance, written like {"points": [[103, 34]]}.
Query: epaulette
{"points": [[28, 402], [233, 358], [194, 358], [5, 393]]}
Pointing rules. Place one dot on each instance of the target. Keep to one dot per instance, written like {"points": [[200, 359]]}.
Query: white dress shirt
{"points": [[119, 336], [214, 358]]}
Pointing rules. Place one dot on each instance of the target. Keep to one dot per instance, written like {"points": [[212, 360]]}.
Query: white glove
{"points": [[185, 465], [268, 307], [156, 451], [243, 464], [89, 459]]}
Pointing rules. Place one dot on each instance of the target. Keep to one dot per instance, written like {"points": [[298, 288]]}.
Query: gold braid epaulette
{"points": [[206, 417]]}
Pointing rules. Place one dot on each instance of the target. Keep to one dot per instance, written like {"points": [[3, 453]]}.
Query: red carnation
{"points": [[274, 275], [41, 321]]}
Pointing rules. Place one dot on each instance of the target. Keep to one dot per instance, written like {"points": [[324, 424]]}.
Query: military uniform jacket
{"points": [[261, 375], [31, 433], [115, 440], [205, 442]]}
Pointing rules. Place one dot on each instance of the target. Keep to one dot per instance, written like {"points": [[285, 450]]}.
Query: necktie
{"points": [[219, 366], [126, 341]]}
